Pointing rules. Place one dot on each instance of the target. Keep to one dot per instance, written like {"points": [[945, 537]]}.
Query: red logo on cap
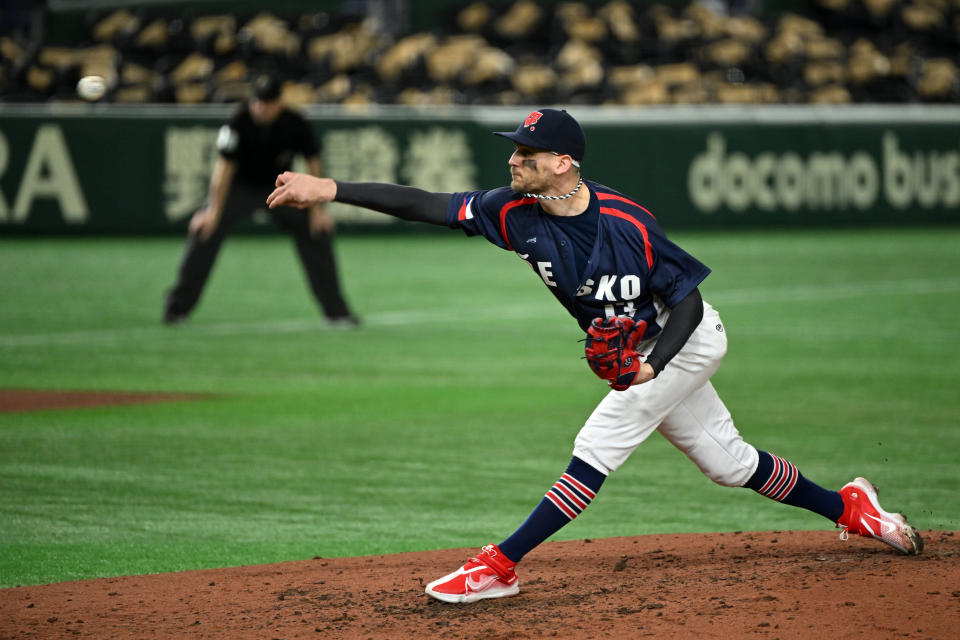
{"points": [[532, 119]]}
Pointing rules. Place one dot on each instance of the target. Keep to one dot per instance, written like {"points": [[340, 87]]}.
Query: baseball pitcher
{"points": [[649, 335]]}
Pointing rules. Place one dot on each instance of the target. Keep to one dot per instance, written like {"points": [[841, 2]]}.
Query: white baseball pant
{"points": [[680, 403]]}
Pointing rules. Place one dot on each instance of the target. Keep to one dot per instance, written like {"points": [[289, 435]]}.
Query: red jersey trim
{"points": [[643, 230], [462, 214], [504, 210], [613, 196]]}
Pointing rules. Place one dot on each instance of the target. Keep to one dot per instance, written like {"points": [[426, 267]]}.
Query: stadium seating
{"points": [[628, 53]]}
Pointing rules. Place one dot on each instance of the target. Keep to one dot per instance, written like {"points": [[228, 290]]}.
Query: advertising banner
{"points": [[131, 170]]}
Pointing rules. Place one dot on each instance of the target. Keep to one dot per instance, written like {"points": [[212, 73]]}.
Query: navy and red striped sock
{"points": [[565, 500], [780, 480]]}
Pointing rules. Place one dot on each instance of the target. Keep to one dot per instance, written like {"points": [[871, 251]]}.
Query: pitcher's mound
{"points": [[732, 585]]}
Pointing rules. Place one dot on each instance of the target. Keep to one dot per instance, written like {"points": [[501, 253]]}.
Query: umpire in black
{"points": [[258, 143]]}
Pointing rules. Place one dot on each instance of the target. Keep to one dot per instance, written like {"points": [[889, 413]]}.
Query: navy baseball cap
{"points": [[550, 129]]}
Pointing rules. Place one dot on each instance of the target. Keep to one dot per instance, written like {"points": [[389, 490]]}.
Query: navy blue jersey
{"points": [[633, 270]]}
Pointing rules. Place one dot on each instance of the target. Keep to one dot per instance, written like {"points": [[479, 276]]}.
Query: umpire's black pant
{"points": [[315, 252]]}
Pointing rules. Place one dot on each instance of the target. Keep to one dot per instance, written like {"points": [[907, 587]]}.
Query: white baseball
{"points": [[91, 87]]}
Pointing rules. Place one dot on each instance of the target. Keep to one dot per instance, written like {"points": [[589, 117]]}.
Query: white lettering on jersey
{"points": [[605, 288], [544, 268], [629, 287], [587, 288]]}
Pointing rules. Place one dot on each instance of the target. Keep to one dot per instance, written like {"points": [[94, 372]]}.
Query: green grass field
{"points": [[444, 419]]}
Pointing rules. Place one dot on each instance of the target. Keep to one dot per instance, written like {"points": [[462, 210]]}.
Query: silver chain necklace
{"points": [[569, 195]]}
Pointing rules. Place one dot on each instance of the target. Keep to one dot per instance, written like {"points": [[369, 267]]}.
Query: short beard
{"points": [[520, 187]]}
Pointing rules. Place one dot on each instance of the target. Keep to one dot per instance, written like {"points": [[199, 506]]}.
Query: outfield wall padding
{"points": [[124, 169]]}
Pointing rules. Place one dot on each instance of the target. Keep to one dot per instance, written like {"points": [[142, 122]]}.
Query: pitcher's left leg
{"points": [[701, 427]]}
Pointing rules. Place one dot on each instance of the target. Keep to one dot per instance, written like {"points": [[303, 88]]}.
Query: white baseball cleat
{"points": [[489, 574], [862, 514]]}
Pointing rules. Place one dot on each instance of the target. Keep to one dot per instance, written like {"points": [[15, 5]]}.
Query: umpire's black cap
{"points": [[550, 129], [266, 87]]}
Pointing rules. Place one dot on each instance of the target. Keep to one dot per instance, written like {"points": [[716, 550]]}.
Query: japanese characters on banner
{"points": [[113, 170], [436, 159]]}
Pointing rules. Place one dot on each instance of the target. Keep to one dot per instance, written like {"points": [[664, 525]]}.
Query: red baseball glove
{"points": [[611, 349]]}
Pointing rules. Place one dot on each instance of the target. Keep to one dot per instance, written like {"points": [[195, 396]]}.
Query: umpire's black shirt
{"points": [[263, 152]]}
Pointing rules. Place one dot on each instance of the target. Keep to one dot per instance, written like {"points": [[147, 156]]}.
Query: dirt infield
{"points": [[732, 585], [16, 400]]}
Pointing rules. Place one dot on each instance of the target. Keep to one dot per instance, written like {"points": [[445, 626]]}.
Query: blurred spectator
{"points": [[510, 51], [20, 18]]}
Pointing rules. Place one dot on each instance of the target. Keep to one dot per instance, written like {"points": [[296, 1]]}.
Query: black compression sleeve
{"points": [[683, 319], [408, 203]]}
